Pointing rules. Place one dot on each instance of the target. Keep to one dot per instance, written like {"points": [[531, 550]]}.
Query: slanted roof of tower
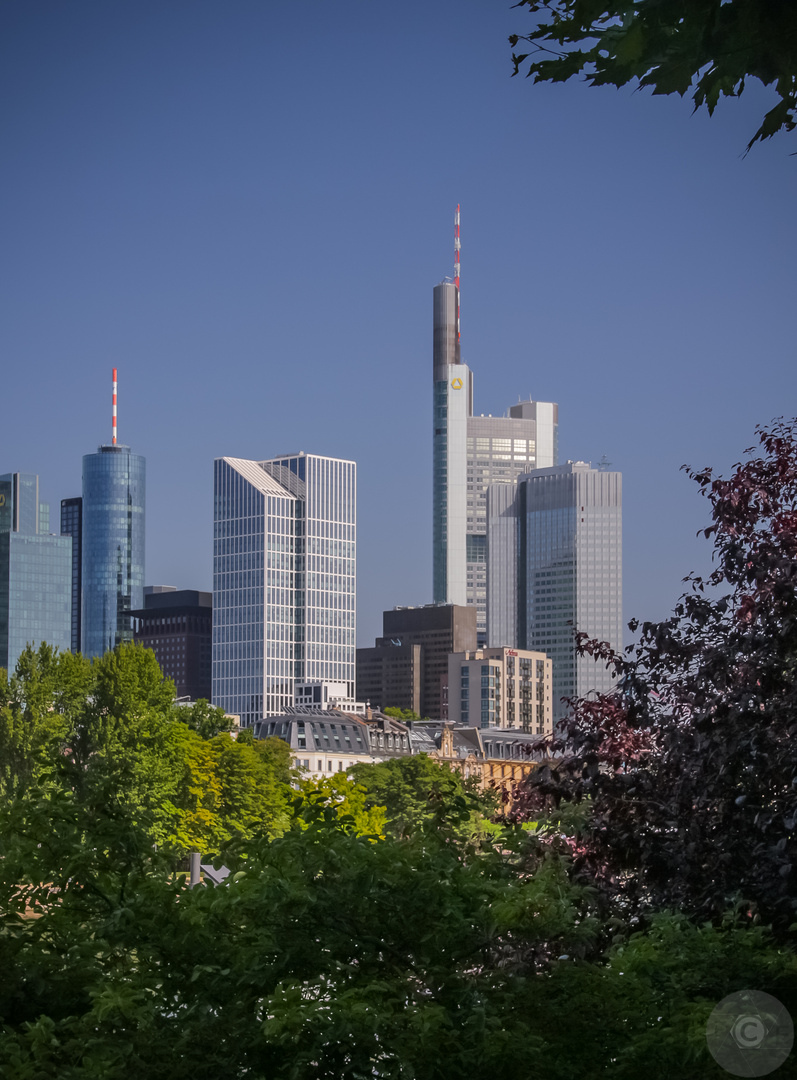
{"points": [[258, 477]]}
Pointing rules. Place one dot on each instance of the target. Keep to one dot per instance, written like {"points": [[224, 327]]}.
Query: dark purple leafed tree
{"points": [[688, 772]]}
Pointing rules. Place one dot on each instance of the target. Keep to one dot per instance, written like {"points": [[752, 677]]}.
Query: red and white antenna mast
{"points": [[113, 422], [456, 262]]}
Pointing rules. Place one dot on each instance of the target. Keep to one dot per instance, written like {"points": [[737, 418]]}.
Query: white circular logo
{"points": [[750, 1033]]}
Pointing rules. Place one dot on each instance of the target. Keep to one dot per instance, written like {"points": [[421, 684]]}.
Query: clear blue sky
{"points": [[244, 206]]}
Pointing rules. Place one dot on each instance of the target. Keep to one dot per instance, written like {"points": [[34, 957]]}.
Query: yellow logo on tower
{"points": [[456, 384]]}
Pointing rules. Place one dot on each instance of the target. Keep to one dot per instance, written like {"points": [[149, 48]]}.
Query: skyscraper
{"points": [[469, 453], [112, 543], [284, 576], [35, 572], [554, 567]]}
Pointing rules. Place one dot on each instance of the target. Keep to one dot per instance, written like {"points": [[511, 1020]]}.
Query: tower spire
{"points": [[456, 262], [113, 422]]}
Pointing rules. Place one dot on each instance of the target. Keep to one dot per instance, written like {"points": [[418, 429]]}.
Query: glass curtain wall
{"points": [[112, 561]]}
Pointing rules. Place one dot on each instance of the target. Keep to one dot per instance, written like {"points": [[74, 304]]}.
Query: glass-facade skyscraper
{"points": [[470, 453], [554, 567], [35, 572], [112, 546], [284, 580]]}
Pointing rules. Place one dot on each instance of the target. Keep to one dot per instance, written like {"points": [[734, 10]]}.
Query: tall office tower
{"points": [[112, 543], [469, 453], [554, 567], [72, 525], [284, 576], [35, 572]]}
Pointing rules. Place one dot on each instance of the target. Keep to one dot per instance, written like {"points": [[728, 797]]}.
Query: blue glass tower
{"points": [[35, 572], [112, 557]]}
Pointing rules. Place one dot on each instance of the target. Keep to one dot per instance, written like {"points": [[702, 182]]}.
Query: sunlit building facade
{"points": [[555, 567], [500, 688], [284, 580]]}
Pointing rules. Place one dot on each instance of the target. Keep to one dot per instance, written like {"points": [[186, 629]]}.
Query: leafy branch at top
{"points": [[707, 47]]}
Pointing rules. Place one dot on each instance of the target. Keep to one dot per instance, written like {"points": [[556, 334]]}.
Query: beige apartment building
{"points": [[502, 688]]}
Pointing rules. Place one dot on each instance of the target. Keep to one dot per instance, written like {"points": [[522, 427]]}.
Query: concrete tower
{"points": [[470, 453]]}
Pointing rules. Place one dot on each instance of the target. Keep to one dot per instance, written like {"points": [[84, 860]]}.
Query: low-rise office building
{"points": [[394, 673]]}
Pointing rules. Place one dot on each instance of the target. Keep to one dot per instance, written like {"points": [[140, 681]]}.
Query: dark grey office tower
{"points": [[440, 629], [177, 624], [72, 525], [554, 567], [391, 676]]}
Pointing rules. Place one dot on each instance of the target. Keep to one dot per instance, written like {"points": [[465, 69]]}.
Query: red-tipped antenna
{"points": [[456, 262], [456, 247], [114, 407]]}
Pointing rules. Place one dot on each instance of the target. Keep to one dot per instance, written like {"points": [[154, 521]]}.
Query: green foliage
{"points": [[206, 719], [31, 730], [108, 735], [400, 714], [362, 933], [349, 801], [419, 793], [707, 47], [329, 954]]}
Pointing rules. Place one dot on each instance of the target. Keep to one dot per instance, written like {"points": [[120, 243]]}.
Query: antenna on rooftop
{"points": [[456, 262], [113, 421]]}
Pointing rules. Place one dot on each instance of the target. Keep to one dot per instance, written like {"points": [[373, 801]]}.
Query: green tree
{"points": [[348, 800], [327, 954], [707, 47], [419, 793], [32, 729], [206, 719], [400, 714], [108, 733]]}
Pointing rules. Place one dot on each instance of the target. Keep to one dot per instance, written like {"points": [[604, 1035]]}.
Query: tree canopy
{"points": [[328, 954], [419, 793], [107, 735], [709, 48], [370, 927]]}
